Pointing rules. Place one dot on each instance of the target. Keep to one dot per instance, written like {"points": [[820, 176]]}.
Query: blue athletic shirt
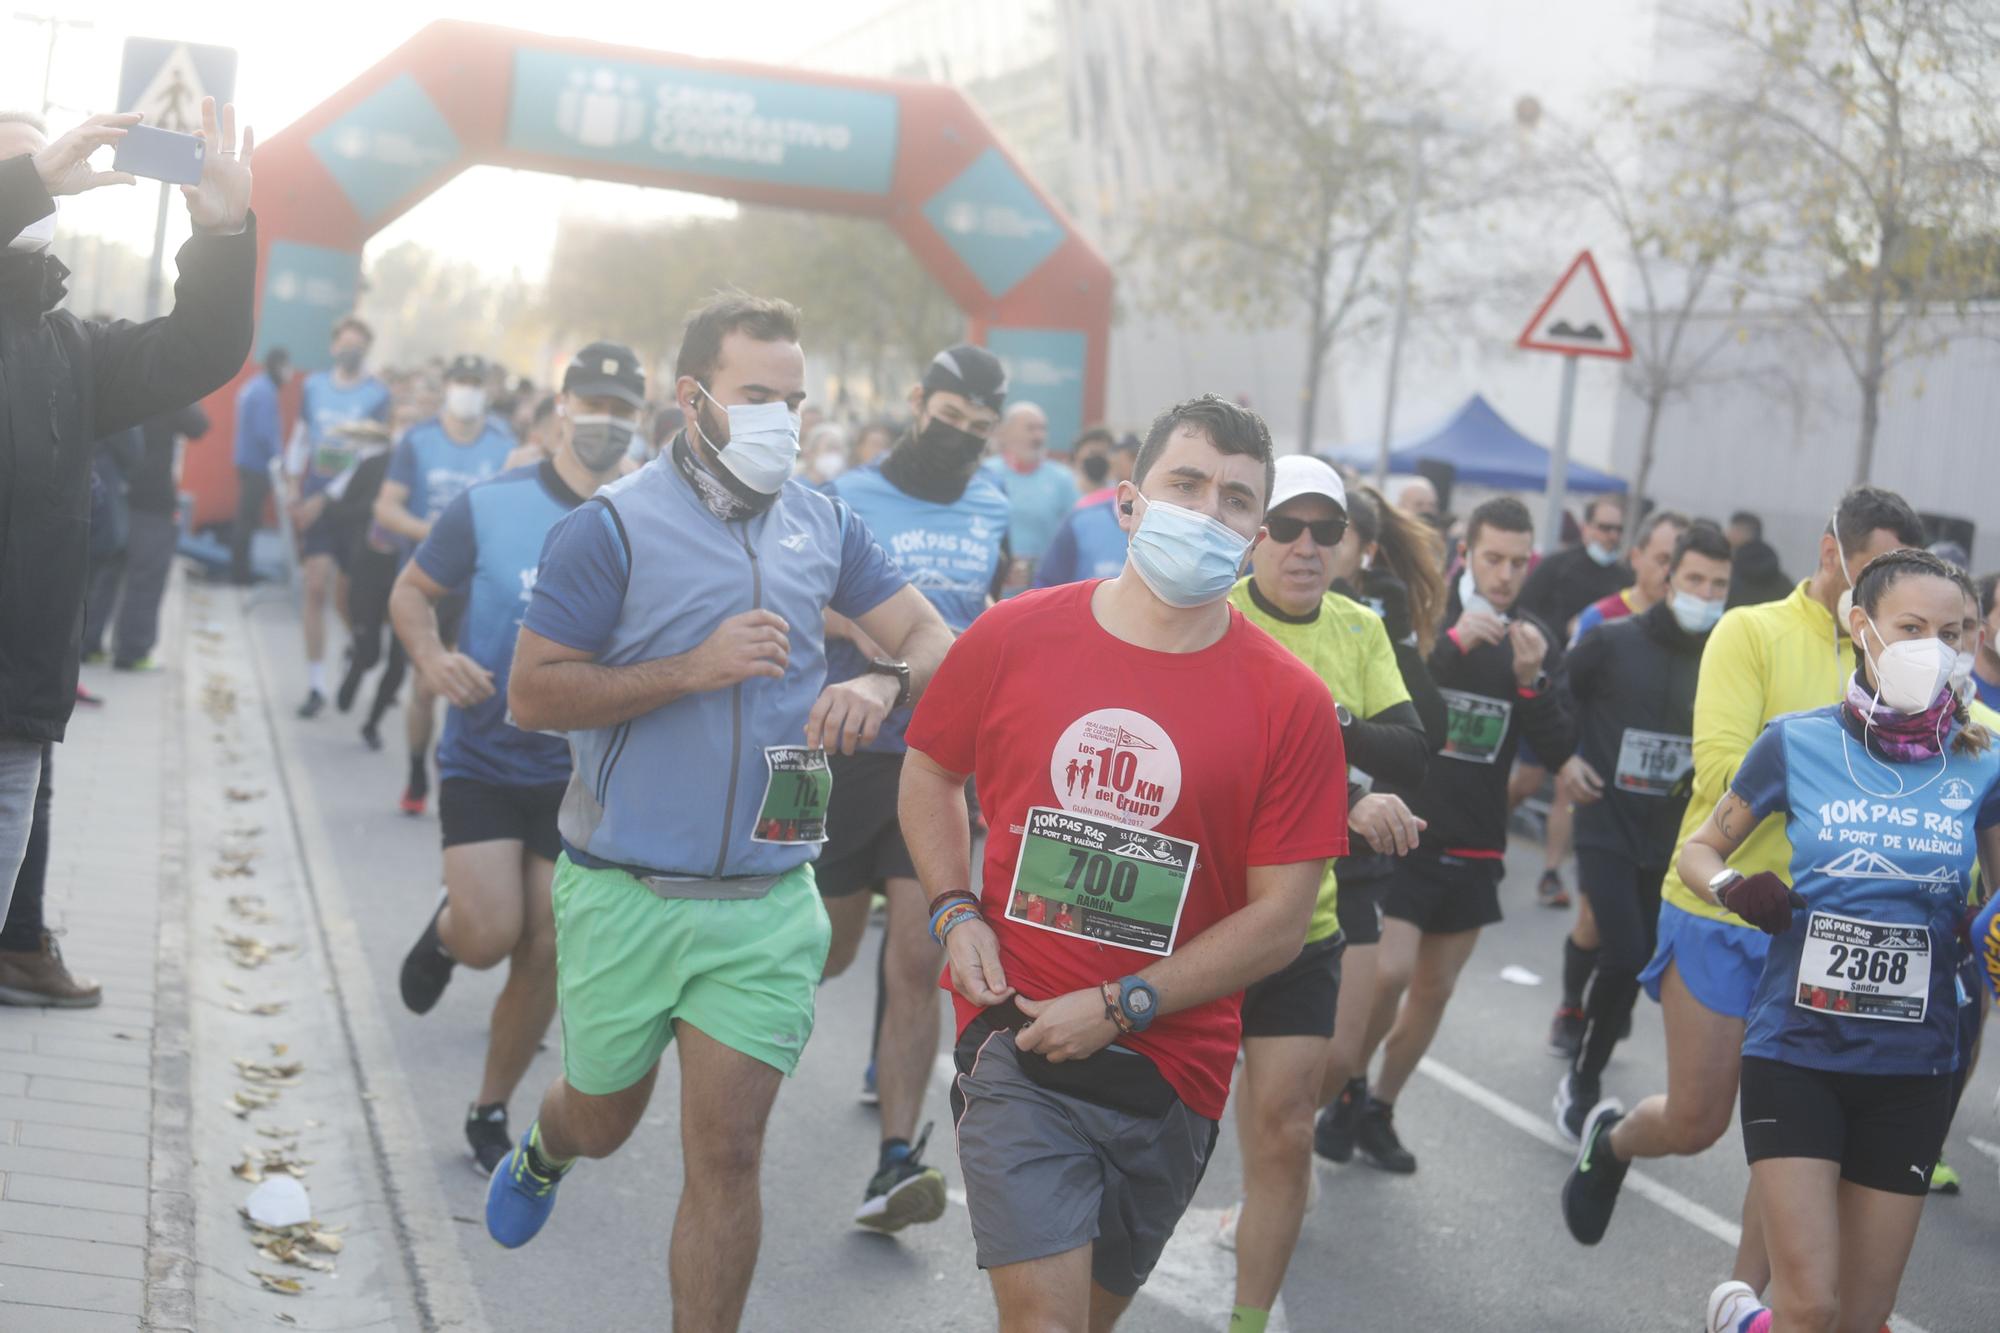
{"points": [[323, 406], [949, 553], [437, 468], [1088, 545], [490, 538], [1039, 499], [1988, 694], [1863, 981]]}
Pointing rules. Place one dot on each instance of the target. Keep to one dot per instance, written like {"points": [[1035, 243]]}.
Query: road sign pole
{"points": [[1552, 509], [153, 277]]}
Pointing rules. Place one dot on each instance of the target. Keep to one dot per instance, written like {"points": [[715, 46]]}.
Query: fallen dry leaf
{"points": [[284, 1075], [239, 794], [269, 1009], [289, 1286]]}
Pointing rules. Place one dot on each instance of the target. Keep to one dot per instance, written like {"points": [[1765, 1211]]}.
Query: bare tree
{"points": [[1885, 108], [1685, 185], [1299, 123]]}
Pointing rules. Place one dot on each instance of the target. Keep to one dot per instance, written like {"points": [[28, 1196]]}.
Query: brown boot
{"points": [[39, 978]]}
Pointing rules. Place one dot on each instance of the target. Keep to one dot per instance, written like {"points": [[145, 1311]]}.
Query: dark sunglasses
{"points": [[1325, 531]]}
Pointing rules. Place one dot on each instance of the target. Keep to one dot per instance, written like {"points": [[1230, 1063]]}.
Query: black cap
{"points": [[969, 370], [465, 366], [606, 370]]}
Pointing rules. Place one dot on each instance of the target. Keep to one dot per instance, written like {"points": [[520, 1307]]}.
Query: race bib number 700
{"points": [[1101, 880]]}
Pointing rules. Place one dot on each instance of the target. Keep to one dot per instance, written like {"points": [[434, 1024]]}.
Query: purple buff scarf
{"points": [[1906, 738]]}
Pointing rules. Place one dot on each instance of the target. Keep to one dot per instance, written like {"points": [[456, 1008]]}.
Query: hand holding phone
{"points": [[64, 165], [161, 155]]}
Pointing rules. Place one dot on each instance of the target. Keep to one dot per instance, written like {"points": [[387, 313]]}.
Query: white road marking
{"points": [[1680, 1205]]}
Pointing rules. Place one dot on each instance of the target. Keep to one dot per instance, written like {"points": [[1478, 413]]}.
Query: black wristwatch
{"points": [[884, 666]]}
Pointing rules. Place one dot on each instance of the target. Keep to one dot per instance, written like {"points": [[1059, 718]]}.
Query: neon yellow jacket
{"points": [[1348, 648], [1761, 662]]}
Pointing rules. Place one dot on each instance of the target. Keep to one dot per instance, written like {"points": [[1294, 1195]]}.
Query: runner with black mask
{"points": [[944, 521]]}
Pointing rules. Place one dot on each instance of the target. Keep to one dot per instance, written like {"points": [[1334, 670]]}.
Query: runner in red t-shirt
{"points": [[1173, 778]]}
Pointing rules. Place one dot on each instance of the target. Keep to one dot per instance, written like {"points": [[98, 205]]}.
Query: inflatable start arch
{"points": [[915, 156]]}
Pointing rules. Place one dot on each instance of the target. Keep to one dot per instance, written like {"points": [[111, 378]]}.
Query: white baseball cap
{"points": [[1302, 474]]}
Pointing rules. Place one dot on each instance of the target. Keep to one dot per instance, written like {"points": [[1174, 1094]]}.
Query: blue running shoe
{"points": [[520, 1198], [869, 1097]]}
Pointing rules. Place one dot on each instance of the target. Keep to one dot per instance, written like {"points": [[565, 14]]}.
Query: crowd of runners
{"points": [[1188, 766], [1180, 765]]}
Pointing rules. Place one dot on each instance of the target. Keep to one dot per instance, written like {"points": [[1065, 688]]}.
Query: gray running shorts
{"points": [[1046, 1172]]}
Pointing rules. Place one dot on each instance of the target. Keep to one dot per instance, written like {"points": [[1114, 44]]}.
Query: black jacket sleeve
{"points": [[191, 422], [1424, 696], [23, 197], [1546, 719], [1582, 666], [1390, 747], [147, 370]]}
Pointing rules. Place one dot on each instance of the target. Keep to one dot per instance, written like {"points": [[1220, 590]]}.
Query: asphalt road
{"points": [[1474, 1240]]}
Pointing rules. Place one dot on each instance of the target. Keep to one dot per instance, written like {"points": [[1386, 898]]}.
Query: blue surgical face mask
{"points": [[763, 443], [1603, 555], [1187, 559], [1696, 615]]}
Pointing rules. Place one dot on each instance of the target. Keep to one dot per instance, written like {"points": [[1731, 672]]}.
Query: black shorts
{"points": [[1446, 894], [1885, 1130], [864, 840], [1360, 908], [475, 811], [1297, 1000], [328, 535]]}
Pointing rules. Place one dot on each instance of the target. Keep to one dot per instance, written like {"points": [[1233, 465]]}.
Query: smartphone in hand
{"points": [[161, 155]]}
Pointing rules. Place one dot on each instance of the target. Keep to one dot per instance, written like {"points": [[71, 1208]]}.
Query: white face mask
{"points": [[464, 401], [36, 236], [1470, 598], [1696, 615], [763, 443], [1961, 675], [1603, 555], [828, 465], [1911, 673]]}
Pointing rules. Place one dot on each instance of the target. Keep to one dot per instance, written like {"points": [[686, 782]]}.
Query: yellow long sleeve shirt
{"points": [[1761, 662]]}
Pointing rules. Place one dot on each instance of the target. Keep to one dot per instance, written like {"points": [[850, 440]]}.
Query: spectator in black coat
{"points": [[67, 382]]}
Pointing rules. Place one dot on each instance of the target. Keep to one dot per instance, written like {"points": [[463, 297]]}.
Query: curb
{"points": [[170, 1205], [445, 1296]]}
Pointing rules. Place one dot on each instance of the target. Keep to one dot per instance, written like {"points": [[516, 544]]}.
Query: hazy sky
{"points": [[292, 56]]}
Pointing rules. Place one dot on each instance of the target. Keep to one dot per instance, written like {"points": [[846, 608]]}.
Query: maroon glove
{"points": [[1764, 900]]}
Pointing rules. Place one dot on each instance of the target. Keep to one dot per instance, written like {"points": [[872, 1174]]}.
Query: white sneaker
{"points": [[1225, 1228], [1730, 1306]]}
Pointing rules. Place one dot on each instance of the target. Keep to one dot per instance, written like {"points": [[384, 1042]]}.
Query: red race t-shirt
{"points": [[1234, 748]]}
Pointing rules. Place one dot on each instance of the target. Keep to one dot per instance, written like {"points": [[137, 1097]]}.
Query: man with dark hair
{"points": [[434, 462], [1094, 1063], [676, 630], [499, 787], [1986, 662], [1567, 581], [1498, 669], [1090, 459], [259, 439], [1632, 684], [1760, 662], [943, 520], [1744, 528], [319, 456], [1755, 576], [1652, 553], [70, 382]]}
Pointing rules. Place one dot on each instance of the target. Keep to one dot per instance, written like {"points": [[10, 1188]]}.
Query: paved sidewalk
{"points": [[79, 1104], [231, 1047]]}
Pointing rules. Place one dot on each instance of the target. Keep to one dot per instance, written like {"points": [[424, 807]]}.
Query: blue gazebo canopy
{"points": [[1486, 450]]}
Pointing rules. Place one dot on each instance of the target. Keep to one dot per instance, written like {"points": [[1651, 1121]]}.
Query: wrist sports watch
{"points": [[884, 666], [1725, 879], [1342, 715], [1137, 1003]]}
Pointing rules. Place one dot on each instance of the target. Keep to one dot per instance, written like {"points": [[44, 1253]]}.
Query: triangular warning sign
{"points": [[1578, 318], [172, 100]]}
